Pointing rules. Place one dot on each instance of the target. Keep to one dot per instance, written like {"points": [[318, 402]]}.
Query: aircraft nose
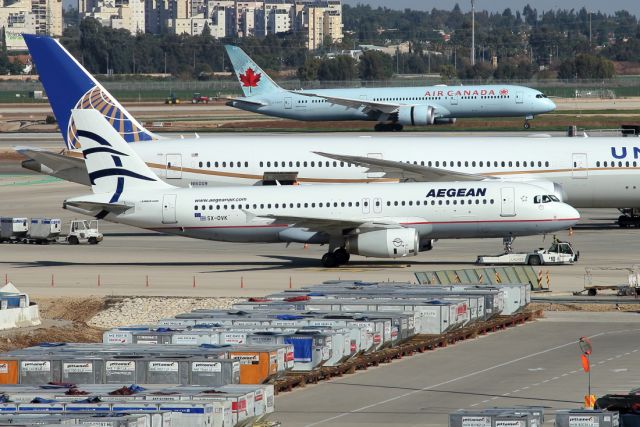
{"points": [[550, 105], [568, 214]]}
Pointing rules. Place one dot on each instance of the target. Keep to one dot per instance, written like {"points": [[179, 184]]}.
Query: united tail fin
{"points": [[112, 165], [70, 86], [253, 80]]}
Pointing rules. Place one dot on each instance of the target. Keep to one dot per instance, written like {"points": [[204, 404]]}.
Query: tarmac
{"points": [[536, 364], [131, 261]]}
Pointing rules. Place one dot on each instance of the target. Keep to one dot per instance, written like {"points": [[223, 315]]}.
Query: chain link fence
{"points": [[150, 90]]}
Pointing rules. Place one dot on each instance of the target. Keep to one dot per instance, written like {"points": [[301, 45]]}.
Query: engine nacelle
{"points": [[391, 243], [416, 115], [444, 121]]}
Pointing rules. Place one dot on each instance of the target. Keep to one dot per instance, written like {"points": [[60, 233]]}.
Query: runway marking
{"points": [[469, 375], [535, 384]]}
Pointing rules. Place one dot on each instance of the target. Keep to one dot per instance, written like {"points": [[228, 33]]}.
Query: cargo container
{"points": [[13, 229], [103, 420], [495, 417], [44, 230], [310, 349], [587, 418]]}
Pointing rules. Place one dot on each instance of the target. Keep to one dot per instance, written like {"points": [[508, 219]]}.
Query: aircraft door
{"points": [[174, 166], [169, 209], [519, 97], [366, 206], [579, 166], [288, 103], [454, 99], [377, 205], [508, 201], [372, 173]]}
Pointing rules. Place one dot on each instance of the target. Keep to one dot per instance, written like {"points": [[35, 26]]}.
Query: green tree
{"points": [[341, 67], [375, 65], [447, 72], [309, 70], [586, 66]]}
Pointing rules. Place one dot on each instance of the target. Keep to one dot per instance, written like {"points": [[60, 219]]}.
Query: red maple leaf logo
{"points": [[504, 92], [250, 78]]}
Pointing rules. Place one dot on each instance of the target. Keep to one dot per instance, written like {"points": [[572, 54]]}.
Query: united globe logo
{"points": [[98, 99]]}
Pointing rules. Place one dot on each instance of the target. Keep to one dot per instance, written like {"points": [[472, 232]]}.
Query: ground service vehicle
{"points": [[83, 231], [198, 99], [171, 99], [593, 284], [559, 253]]}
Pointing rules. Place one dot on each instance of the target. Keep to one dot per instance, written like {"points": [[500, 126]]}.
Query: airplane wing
{"points": [[383, 107], [405, 171], [64, 167], [329, 225]]}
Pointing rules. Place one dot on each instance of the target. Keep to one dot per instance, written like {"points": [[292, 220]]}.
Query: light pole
{"points": [[473, 33]]}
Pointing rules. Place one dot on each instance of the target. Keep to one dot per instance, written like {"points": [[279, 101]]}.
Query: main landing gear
{"points": [[338, 257], [388, 127]]}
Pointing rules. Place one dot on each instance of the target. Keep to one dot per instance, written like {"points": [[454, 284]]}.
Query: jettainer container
{"points": [[587, 418], [69, 368], [44, 230], [13, 229]]}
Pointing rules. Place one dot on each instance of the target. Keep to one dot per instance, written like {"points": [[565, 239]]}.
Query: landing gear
{"points": [[338, 257], [388, 127], [507, 242], [526, 121]]}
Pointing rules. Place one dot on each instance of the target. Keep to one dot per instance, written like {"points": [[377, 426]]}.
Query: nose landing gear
{"points": [[526, 121]]}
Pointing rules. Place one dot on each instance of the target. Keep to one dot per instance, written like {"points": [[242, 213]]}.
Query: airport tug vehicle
{"points": [[560, 252]]}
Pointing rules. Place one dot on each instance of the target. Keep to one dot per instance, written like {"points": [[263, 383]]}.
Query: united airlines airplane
{"points": [[586, 172], [391, 107], [376, 220]]}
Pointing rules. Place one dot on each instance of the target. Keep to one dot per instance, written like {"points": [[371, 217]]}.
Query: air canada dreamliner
{"points": [[391, 107], [585, 172], [374, 220]]}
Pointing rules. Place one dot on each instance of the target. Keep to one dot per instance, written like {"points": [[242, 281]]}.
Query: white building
{"points": [[117, 14], [30, 16]]}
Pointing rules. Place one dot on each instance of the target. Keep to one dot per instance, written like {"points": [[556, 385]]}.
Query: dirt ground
{"points": [[63, 320]]}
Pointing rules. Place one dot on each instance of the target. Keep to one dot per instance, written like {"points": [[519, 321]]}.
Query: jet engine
{"points": [[391, 243], [416, 115], [444, 121]]}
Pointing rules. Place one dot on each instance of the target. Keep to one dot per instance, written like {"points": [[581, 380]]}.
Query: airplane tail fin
{"points": [[69, 85], [112, 164], [253, 80]]}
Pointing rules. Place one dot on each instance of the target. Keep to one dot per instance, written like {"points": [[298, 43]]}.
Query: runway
{"points": [[534, 364]]}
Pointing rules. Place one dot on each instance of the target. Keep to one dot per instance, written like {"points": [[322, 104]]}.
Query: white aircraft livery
{"points": [[585, 172], [375, 220], [391, 107]]}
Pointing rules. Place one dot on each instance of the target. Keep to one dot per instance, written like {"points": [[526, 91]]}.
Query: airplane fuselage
{"points": [[447, 101], [593, 172], [435, 211]]}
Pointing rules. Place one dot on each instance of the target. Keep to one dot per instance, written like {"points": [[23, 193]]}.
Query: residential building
{"points": [[30, 16]]}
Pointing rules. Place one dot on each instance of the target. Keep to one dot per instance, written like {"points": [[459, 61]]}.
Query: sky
{"points": [[609, 6]]}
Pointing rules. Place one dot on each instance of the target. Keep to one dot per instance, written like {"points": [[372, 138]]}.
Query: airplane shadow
{"points": [[267, 263]]}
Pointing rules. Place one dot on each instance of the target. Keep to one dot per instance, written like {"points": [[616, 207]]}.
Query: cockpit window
{"points": [[545, 198], [541, 95]]}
